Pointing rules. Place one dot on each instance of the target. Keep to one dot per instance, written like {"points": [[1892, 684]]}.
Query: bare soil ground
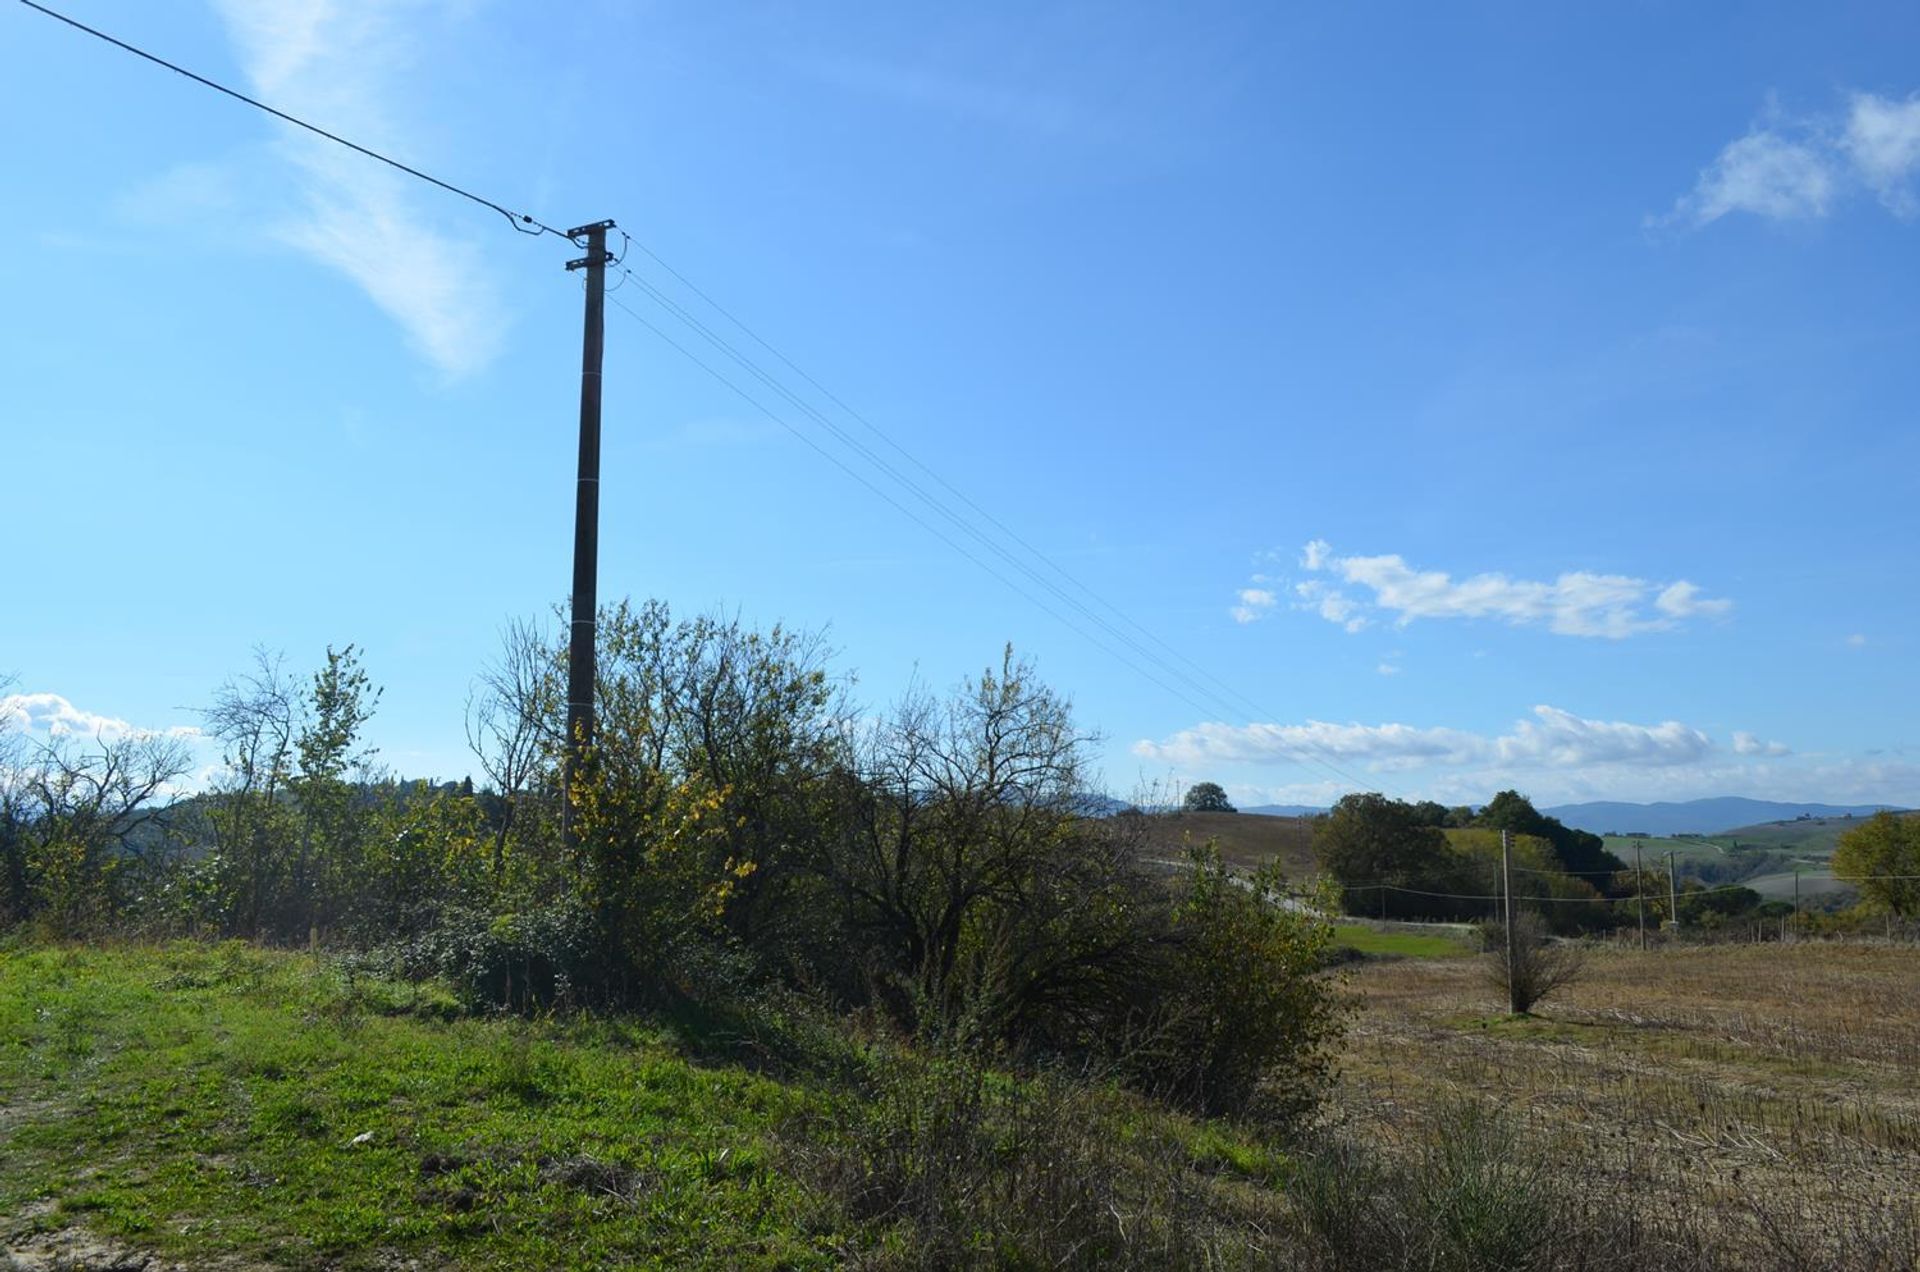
{"points": [[1768, 1097], [1246, 841]]}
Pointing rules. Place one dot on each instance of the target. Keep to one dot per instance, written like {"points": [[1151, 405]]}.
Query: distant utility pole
{"points": [[1673, 894], [1640, 893], [1506, 890], [586, 516], [1796, 900]]}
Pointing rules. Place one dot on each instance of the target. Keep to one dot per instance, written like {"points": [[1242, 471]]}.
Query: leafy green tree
{"points": [[1876, 854], [327, 748], [1368, 840], [1207, 797], [1565, 904], [1246, 1015], [1579, 852], [702, 813]]}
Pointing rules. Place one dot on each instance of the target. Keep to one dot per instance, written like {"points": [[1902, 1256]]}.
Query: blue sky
{"points": [[1484, 395]]}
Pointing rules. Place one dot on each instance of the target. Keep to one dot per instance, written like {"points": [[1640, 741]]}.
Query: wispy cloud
{"points": [[1798, 168], [1765, 174], [1577, 603], [342, 67]]}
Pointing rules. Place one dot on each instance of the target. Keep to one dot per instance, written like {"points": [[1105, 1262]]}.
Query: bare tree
{"points": [[255, 718], [1540, 965], [966, 863], [514, 722], [14, 817], [83, 804]]}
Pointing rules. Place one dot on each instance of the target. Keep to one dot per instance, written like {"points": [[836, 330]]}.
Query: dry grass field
{"points": [[1759, 1102]]}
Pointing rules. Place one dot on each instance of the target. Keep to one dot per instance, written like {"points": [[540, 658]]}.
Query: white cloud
{"points": [[1382, 746], [1883, 140], [53, 716], [1552, 739], [1799, 168], [1857, 641], [1553, 754], [340, 66], [1254, 604], [1387, 669], [1560, 739], [1749, 744], [1683, 600], [1333, 605], [1765, 174], [1577, 603]]}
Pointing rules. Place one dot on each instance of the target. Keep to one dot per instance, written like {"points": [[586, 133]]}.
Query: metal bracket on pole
{"points": [[587, 232]]}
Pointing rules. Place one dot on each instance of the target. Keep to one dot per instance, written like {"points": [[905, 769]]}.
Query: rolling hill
{"points": [[1246, 842], [1696, 816]]}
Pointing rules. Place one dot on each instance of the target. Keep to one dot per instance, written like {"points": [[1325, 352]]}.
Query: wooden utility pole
{"points": [[1796, 901], [1640, 893], [586, 515], [1673, 894], [1506, 891]]}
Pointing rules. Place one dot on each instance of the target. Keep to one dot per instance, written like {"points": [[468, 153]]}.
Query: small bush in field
{"points": [[1541, 965]]}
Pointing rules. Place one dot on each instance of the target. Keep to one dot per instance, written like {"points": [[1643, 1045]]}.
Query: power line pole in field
{"points": [[1640, 893], [1506, 890], [1673, 894], [586, 516]]}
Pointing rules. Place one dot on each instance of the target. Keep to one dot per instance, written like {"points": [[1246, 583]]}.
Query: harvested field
{"points": [[1764, 1098]]}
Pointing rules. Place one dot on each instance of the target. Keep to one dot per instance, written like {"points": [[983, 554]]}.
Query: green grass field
{"points": [[1653, 851], [223, 1106], [228, 1102], [1813, 883], [1399, 942], [1813, 839]]}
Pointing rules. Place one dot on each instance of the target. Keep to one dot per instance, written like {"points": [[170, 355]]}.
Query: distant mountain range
{"points": [[1285, 810], [1696, 816]]}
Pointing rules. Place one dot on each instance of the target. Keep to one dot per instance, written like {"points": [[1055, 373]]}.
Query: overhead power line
{"points": [[520, 221], [949, 487], [1161, 670], [1219, 699], [1201, 680], [879, 493]]}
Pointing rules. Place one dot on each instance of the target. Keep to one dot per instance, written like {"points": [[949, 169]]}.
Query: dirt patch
{"points": [[33, 1246]]}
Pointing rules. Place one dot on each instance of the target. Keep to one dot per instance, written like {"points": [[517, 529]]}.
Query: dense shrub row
{"points": [[738, 825]]}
